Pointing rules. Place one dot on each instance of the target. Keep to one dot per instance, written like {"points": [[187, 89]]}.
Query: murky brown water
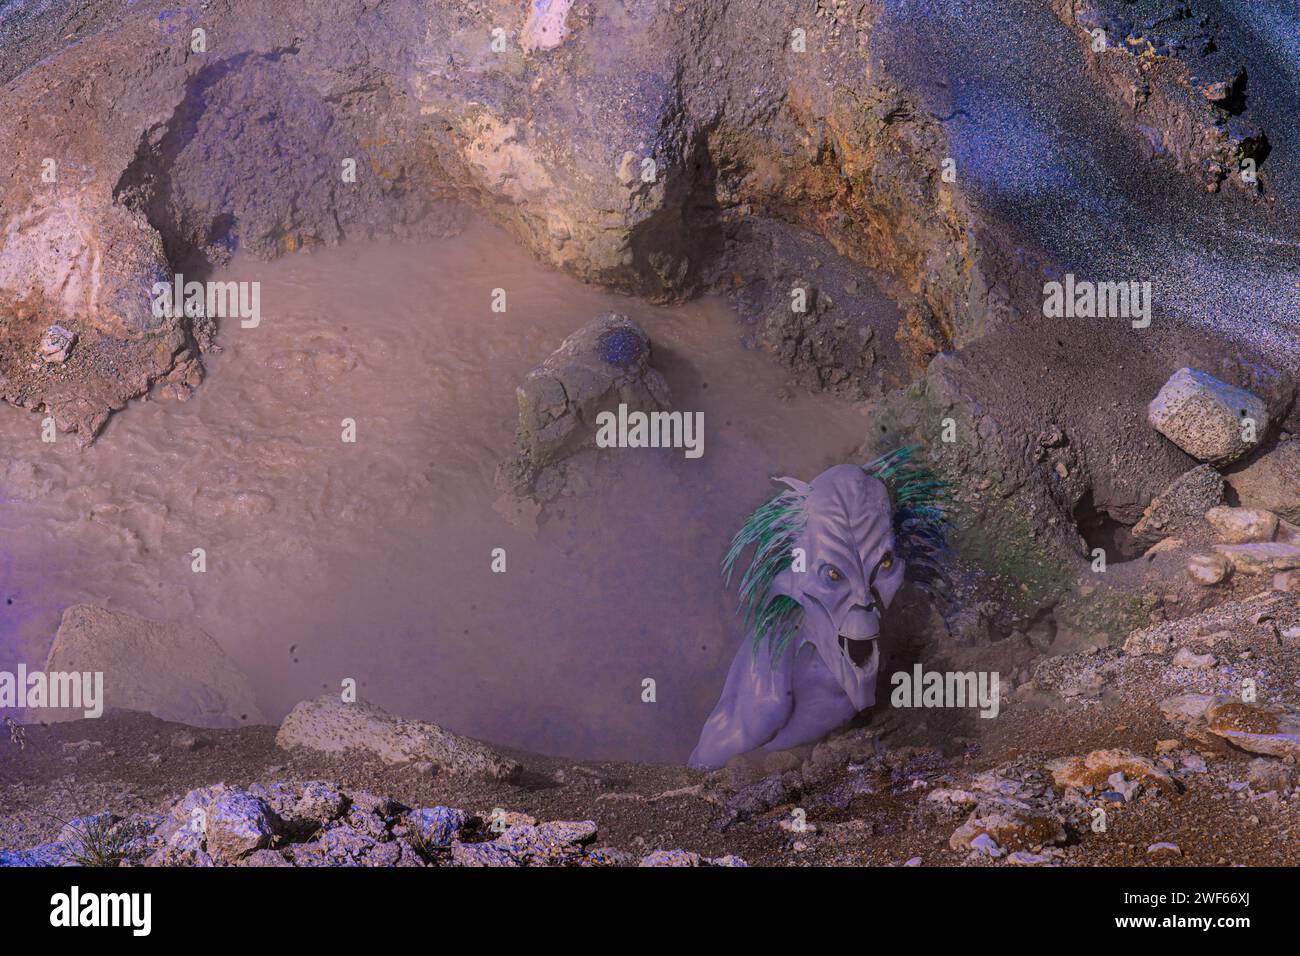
{"points": [[372, 560]]}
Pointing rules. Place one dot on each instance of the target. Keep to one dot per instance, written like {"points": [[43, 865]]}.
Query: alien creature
{"points": [[829, 557]]}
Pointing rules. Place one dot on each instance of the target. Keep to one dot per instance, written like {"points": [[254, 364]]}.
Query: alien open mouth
{"points": [[859, 651]]}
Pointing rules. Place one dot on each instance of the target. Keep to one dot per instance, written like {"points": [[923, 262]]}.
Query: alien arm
{"points": [[756, 703]]}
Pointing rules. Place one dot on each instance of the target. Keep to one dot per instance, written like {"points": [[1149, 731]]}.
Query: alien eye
{"points": [[833, 574], [887, 561]]}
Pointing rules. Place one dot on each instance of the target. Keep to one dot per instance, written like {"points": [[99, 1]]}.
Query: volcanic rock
{"points": [[329, 725], [1272, 481], [1204, 416], [1242, 525]]}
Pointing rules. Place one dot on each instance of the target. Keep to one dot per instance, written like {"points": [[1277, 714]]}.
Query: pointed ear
{"points": [[794, 484], [785, 584]]}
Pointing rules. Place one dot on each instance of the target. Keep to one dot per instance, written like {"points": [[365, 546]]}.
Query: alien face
{"points": [[851, 576]]}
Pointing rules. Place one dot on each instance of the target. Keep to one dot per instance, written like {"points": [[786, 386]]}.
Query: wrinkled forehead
{"points": [[849, 517]]}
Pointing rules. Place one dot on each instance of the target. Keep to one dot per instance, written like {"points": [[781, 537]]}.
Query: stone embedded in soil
{"points": [[1186, 657], [1165, 848], [1147, 640], [1095, 769], [546, 844], [687, 859], [1242, 525], [1268, 729], [1208, 569], [56, 344], [1272, 481], [1182, 503], [1204, 416], [1287, 581], [1009, 827], [329, 725], [1025, 858], [173, 671], [1266, 775], [1263, 558]]}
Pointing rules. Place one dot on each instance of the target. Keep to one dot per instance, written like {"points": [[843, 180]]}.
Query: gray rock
{"points": [[765, 794], [1185, 707], [1147, 640], [1181, 504], [547, 844], [1265, 558], [1268, 729], [1203, 416], [1265, 776], [337, 846], [670, 858], [47, 854], [607, 856], [1208, 569], [437, 826], [328, 725], [266, 858], [481, 854], [1272, 481], [1188, 658], [56, 344], [232, 823], [1242, 525]]}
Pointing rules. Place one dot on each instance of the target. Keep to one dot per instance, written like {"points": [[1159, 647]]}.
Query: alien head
{"points": [[850, 574], [829, 557]]}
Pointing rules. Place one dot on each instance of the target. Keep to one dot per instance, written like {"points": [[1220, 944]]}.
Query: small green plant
{"points": [[424, 843], [100, 841]]}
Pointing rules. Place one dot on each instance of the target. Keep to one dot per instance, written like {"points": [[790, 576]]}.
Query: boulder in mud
{"points": [[329, 725], [173, 671], [1207, 418], [603, 365]]}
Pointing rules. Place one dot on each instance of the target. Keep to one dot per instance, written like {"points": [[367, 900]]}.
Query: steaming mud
{"points": [[372, 560]]}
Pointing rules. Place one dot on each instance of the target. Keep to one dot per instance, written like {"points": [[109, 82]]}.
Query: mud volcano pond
{"points": [[372, 560], [963, 336]]}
